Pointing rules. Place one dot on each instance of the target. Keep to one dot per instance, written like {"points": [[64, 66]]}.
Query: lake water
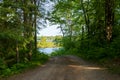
{"points": [[47, 50]]}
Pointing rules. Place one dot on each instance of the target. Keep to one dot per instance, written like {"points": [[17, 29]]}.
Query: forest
{"points": [[49, 41], [19, 25], [90, 30]]}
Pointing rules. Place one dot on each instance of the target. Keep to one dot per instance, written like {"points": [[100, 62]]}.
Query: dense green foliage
{"points": [[90, 28], [37, 60], [49, 41], [19, 21]]}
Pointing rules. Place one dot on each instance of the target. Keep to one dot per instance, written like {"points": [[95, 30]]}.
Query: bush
{"points": [[6, 72], [41, 57], [2, 64], [62, 51], [58, 52], [37, 60]]}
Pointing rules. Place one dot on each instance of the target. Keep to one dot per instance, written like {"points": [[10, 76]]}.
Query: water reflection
{"points": [[47, 50]]}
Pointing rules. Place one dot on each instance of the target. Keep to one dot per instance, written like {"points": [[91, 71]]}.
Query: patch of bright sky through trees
{"points": [[49, 30]]}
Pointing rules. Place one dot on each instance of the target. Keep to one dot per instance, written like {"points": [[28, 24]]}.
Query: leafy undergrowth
{"points": [[23, 66], [62, 51], [114, 66]]}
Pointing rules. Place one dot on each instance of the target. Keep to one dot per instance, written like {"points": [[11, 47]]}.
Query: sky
{"points": [[50, 31]]}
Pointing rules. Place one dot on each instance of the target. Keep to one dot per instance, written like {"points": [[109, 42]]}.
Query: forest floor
{"points": [[66, 68]]}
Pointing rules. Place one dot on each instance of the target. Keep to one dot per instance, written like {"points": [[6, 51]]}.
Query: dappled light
{"points": [[82, 67]]}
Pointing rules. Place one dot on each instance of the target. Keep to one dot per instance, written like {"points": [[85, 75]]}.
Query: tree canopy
{"points": [[19, 23], [89, 27]]}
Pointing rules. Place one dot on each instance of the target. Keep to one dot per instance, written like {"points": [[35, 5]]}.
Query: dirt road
{"points": [[66, 68]]}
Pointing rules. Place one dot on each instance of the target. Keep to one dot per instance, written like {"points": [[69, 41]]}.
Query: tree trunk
{"points": [[17, 53], [35, 36], [35, 27], [109, 18]]}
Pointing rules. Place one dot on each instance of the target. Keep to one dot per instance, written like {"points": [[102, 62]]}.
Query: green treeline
{"points": [[18, 34], [49, 41], [91, 28]]}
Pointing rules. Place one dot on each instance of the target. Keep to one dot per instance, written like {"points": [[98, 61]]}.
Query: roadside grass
{"points": [[36, 61], [114, 66]]}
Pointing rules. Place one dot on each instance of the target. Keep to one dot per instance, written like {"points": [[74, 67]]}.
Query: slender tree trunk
{"points": [[109, 18], [35, 26], [82, 37], [30, 32], [35, 36], [17, 53], [62, 30], [17, 48], [86, 18], [27, 29]]}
